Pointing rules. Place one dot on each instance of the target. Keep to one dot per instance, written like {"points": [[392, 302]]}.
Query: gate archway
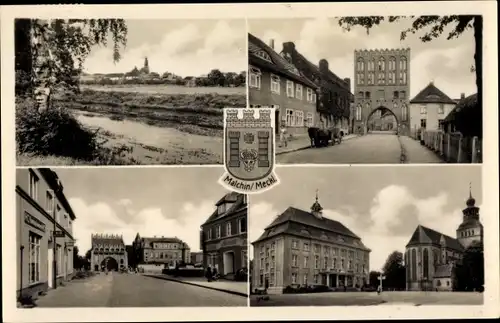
{"points": [[110, 264], [381, 119]]}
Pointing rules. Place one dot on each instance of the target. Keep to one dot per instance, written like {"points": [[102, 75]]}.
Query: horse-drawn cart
{"points": [[323, 137]]}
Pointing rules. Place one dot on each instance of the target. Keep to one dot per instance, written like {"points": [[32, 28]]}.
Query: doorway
{"points": [[277, 120], [50, 272], [228, 262]]}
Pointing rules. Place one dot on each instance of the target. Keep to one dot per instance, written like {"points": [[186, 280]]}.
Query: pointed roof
{"points": [[424, 235], [276, 64], [431, 94], [316, 207]]}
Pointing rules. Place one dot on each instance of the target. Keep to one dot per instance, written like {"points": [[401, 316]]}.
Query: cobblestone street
{"points": [[133, 290], [373, 148]]}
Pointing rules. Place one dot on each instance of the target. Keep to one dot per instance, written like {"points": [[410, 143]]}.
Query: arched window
{"points": [[392, 63], [361, 65], [381, 64], [358, 112], [404, 112], [413, 265], [426, 264], [402, 63], [407, 265]]}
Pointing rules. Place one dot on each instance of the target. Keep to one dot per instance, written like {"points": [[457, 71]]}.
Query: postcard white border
{"points": [[234, 11]]}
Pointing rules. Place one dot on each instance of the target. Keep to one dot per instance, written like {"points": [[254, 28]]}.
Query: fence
{"points": [[453, 147]]}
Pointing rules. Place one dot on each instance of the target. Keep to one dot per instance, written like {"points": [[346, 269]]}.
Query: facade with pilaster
{"points": [[42, 206], [301, 248], [160, 251]]}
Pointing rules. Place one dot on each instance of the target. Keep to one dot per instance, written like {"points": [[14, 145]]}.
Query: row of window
{"points": [[381, 66], [293, 90], [162, 255], [468, 233], [334, 251], [295, 118], [396, 95], [242, 228], [165, 245], [423, 109], [391, 78], [335, 263], [61, 217], [117, 249]]}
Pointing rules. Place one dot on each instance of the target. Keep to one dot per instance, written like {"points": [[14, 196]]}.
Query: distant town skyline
{"points": [[447, 63], [170, 202], [181, 46]]}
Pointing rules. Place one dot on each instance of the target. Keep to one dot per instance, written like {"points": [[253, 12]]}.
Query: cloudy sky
{"points": [[149, 201], [446, 62], [382, 205], [184, 47]]}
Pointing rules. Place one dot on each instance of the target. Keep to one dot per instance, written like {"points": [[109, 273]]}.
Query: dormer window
{"points": [[221, 209], [265, 56]]}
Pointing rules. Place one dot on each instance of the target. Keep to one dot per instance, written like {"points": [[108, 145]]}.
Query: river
{"points": [[157, 145]]}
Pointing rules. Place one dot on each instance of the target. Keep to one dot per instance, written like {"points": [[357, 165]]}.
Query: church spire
{"points": [[146, 63], [316, 208], [470, 201]]}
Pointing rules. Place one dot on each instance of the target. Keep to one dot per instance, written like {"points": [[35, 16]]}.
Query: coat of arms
{"points": [[249, 149]]}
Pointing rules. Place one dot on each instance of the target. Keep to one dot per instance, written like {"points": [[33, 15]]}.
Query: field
{"points": [[167, 89], [151, 124]]}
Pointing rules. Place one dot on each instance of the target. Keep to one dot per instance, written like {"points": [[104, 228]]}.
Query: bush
{"points": [[54, 131]]}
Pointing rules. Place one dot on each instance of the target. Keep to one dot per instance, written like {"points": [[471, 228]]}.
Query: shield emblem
{"points": [[249, 143]]}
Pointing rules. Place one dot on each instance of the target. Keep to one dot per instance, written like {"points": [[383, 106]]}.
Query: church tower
{"points": [[317, 209], [145, 69], [471, 229]]}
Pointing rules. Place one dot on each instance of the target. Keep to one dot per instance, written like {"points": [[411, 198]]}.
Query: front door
{"points": [[228, 265]]}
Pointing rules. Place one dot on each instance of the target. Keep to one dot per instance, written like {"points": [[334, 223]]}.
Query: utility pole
{"points": [[54, 244]]}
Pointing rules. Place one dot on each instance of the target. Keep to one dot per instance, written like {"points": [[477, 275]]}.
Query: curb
{"points": [[193, 284], [306, 147]]}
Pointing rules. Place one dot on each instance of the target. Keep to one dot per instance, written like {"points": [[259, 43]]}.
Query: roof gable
{"points": [[257, 47], [431, 94], [424, 235], [238, 204]]}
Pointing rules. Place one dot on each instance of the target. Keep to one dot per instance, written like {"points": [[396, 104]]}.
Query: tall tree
{"points": [[373, 277], [434, 27], [51, 53], [394, 271], [216, 77], [470, 274]]}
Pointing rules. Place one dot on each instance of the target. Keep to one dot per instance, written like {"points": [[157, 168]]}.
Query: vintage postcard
{"points": [[265, 161]]}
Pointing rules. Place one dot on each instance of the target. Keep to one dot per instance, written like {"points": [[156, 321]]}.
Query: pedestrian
{"points": [[215, 275], [379, 290], [283, 134], [266, 286], [208, 273]]}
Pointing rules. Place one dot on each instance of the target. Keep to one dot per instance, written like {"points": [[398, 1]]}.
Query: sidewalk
{"points": [[300, 143], [228, 286], [415, 153]]}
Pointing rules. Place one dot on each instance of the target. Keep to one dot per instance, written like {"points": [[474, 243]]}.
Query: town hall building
{"points": [[301, 248], [431, 257]]}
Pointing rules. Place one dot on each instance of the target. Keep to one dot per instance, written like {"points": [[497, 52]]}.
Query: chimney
{"points": [[323, 65], [271, 43], [462, 96], [348, 82]]}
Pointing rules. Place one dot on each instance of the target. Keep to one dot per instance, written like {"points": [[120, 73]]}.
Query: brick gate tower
{"points": [[381, 82]]}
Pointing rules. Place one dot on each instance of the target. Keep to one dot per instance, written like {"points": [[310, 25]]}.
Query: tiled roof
{"points": [[431, 94], [444, 271], [424, 235], [149, 241], [299, 216], [239, 204], [278, 64], [307, 231], [468, 102], [107, 240]]}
